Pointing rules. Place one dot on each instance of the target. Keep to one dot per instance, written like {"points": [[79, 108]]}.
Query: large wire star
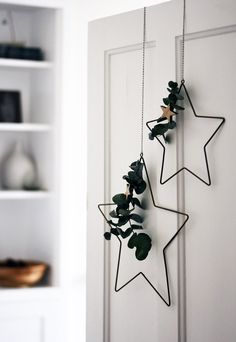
{"points": [[166, 299], [222, 120]]}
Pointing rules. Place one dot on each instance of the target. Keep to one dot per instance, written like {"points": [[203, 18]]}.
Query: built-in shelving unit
{"points": [[29, 219]]}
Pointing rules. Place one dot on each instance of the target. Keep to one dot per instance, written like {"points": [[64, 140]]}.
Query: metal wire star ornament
{"points": [[222, 119], [166, 299]]}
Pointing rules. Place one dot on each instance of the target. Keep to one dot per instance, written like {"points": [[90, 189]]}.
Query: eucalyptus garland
{"points": [[124, 214], [168, 111]]}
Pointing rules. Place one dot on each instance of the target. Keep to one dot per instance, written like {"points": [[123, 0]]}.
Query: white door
{"points": [[201, 262]]}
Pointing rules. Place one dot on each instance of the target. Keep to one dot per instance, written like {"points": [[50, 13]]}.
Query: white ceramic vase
{"points": [[18, 170]]}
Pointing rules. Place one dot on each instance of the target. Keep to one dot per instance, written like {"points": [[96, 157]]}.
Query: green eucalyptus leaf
{"points": [[136, 218], [115, 231], [135, 226], [136, 201], [172, 124], [126, 233], [137, 166], [113, 214], [179, 97], [166, 101], [143, 245], [174, 91], [126, 178], [133, 177], [132, 241], [161, 118], [150, 136], [172, 98], [119, 199], [125, 204], [112, 223], [159, 129], [124, 212], [172, 84], [167, 138], [178, 107], [107, 236], [139, 189], [134, 165], [123, 220]]}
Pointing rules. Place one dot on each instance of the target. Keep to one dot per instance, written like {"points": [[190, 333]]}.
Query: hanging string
{"points": [[143, 75], [183, 41]]}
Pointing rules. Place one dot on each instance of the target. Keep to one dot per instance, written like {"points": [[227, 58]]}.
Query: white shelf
{"points": [[15, 294], [19, 63], [21, 194], [24, 127]]}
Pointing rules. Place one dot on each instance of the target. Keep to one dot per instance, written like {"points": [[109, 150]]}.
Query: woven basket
{"points": [[24, 276]]}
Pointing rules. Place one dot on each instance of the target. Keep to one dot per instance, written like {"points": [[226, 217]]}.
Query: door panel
{"points": [[125, 118], [210, 248], [202, 277]]}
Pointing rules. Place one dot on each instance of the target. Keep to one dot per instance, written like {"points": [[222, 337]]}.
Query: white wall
{"points": [[74, 138]]}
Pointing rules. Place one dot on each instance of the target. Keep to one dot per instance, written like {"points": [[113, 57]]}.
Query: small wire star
{"points": [[222, 120]]}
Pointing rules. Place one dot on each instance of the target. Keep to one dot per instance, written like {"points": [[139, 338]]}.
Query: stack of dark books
{"points": [[15, 51]]}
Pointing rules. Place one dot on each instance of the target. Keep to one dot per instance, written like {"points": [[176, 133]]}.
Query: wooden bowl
{"points": [[24, 276]]}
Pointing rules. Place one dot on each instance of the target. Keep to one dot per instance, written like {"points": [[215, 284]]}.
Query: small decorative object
{"points": [[168, 112], [10, 106], [124, 212], [19, 170], [21, 273]]}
